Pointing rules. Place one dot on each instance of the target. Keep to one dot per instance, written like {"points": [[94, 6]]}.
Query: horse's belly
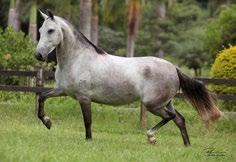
{"points": [[114, 96], [114, 99]]}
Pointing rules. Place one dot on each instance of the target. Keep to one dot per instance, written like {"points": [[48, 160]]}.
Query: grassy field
{"points": [[116, 135]]}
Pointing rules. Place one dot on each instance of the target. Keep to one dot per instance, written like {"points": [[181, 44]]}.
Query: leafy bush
{"points": [[16, 53], [225, 67], [221, 32], [16, 50]]}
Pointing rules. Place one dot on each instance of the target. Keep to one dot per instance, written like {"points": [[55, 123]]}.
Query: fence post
{"points": [[143, 117], [39, 83]]}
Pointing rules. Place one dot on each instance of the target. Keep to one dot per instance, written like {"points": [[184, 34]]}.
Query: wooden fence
{"points": [[41, 76]]}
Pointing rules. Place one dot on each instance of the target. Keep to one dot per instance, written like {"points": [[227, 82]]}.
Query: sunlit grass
{"points": [[116, 135]]}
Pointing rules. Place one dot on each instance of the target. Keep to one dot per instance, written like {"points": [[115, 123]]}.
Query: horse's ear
{"points": [[43, 14], [50, 14]]}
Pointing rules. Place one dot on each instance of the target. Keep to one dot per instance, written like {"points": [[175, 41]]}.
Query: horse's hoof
{"points": [[47, 122], [150, 133], [152, 140], [88, 139], [151, 137]]}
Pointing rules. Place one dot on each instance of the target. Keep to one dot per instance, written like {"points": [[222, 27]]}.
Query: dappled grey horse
{"points": [[89, 74]]}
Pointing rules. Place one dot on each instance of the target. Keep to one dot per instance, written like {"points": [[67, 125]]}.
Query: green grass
{"points": [[116, 135]]}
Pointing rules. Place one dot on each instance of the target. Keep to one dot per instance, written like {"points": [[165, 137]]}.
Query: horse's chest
{"points": [[73, 83]]}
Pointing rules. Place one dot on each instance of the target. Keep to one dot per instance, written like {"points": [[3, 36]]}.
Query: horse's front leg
{"points": [[42, 98], [85, 104]]}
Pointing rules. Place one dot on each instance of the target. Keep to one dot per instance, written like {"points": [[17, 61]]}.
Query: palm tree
{"points": [[85, 17], [111, 10], [14, 15], [94, 22], [133, 23]]}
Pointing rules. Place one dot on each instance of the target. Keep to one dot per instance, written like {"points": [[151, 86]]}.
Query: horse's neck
{"points": [[72, 48], [70, 51], [63, 55]]}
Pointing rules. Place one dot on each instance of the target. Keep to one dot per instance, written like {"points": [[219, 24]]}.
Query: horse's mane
{"points": [[98, 49], [82, 37]]}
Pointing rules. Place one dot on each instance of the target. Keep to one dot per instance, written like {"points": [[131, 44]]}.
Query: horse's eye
{"points": [[50, 31]]}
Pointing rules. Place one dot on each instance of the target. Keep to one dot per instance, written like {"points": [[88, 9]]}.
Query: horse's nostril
{"points": [[39, 56]]}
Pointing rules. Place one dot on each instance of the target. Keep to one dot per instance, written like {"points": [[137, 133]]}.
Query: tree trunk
{"points": [[94, 22], [133, 23], [143, 117], [85, 17], [171, 3], [94, 30], [161, 53], [14, 15], [161, 12], [130, 45], [33, 22], [195, 72]]}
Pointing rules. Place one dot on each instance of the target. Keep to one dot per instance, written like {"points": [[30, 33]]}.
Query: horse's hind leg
{"points": [[42, 98], [180, 122], [166, 116]]}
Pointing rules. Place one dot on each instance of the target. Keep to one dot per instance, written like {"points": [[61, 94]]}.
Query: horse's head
{"points": [[50, 37]]}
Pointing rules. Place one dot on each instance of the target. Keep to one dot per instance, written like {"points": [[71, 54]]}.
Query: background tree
{"points": [[220, 32], [133, 24], [4, 11], [14, 15], [85, 17], [112, 14], [94, 22], [161, 11], [183, 31], [123, 14], [33, 21], [179, 33]]}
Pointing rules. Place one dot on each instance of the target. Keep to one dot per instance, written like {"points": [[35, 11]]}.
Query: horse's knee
{"points": [[170, 115], [41, 98]]}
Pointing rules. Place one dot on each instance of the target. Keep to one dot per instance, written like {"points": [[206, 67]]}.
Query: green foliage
{"points": [[114, 42], [185, 13], [113, 13], [179, 34], [4, 9], [186, 42], [225, 67], [221, 32], [16, 50]]}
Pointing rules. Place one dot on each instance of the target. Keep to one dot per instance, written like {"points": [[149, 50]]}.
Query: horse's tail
{"points": [[200, 98]]}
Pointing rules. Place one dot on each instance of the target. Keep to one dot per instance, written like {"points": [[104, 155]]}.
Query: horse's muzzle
{"points": [[39, 56]]}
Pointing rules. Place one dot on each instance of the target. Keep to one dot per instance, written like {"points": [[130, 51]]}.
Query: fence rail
{"points": [[18, 73], [230, 82], [23, 88], [9, 73]]}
